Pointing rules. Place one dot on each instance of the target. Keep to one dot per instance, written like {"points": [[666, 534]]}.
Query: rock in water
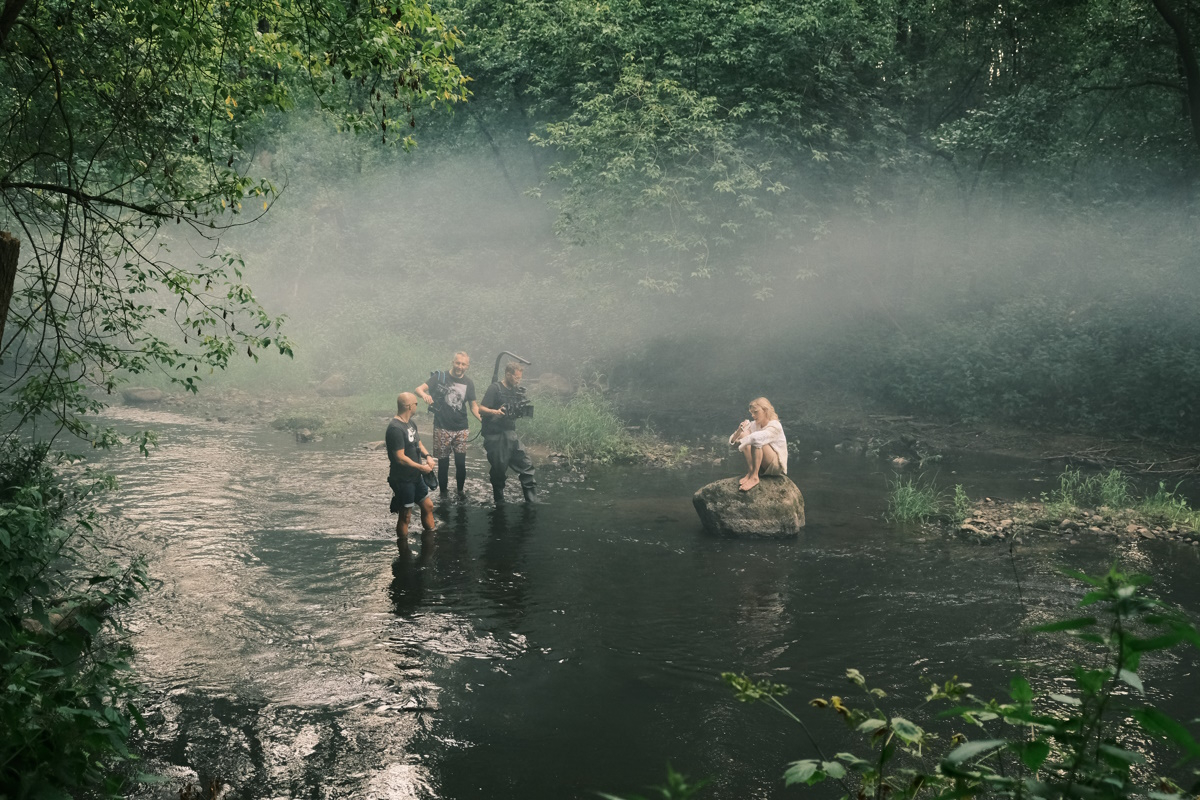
{"points": [[773, 509], [335, 385], [142, 395]]}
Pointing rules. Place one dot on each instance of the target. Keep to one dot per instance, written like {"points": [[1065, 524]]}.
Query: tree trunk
{"points": [[10, 251], [1187, 58]]}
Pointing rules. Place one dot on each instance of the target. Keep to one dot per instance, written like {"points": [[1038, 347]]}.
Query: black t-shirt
{"points": [[403, 436], [451, 413], [493, 398]]}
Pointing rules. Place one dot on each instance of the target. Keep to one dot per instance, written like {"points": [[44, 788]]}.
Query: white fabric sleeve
{"points": [[765, 436]]}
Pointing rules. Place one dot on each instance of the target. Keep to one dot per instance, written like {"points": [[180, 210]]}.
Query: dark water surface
{"points": [[551, 652]]}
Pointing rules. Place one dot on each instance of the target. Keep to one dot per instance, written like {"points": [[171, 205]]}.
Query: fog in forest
{"points": [[451, 249]]}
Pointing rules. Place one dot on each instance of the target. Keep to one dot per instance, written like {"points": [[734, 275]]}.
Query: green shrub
{"points": [[65, 711]]}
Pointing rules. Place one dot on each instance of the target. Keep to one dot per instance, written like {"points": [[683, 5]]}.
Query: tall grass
{"points": [[1114, 490], [584, 426], [912, 500], [1077, 490], [1167, 506]]}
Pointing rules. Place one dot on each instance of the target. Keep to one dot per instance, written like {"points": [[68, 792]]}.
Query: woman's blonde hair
{"points": [[765, 405]]}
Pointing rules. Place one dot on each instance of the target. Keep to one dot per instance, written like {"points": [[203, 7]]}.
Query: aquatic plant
{"points": [[912, 500], [963, 507], [1053, 743], [1166, 505]]}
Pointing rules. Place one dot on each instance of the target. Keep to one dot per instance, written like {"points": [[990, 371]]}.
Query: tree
{"points": [[125, 145]]}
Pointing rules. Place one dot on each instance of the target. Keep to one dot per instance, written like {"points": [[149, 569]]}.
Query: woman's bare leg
{"points": [[754, 455], [748, 452]]}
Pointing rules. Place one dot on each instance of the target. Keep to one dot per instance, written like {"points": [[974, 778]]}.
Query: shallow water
{"points": [[550, 652]]}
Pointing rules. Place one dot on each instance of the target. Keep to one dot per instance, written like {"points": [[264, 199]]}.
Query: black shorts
{"points": [[406, 494]]}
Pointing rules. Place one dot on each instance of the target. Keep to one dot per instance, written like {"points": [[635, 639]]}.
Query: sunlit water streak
{"points": [[547, 652]]}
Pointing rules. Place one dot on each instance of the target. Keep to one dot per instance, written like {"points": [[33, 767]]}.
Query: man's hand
{"points": [[429, 463], [427, 397]]}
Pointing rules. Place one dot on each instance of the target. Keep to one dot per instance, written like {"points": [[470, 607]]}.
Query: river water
{"points": [[551, 652]]}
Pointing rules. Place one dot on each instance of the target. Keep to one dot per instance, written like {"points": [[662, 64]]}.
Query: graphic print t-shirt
{"points": [[451, 414], [402, 436]]}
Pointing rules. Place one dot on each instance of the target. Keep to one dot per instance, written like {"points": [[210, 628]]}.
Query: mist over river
{"points": [[555, 651]]}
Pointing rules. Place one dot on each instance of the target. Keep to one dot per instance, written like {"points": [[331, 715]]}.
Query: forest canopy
{"points": [[676, 132]]}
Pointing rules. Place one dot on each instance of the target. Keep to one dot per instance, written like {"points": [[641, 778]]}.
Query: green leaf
{"points": [[1122, 755], [1020, 690], [1066, 625], [806, 771], [1131, 678], [907, 731], [833, 769], [871, 725], [1157, 723], [1034, 754], [1066, 698], [853, 761], [973, 749]]}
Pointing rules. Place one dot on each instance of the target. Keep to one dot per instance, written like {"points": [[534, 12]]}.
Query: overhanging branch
{"points": [[85, 198]]}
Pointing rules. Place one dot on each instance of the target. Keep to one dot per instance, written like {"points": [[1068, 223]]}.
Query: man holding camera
{"points": [[503, 404], [450, 394]]}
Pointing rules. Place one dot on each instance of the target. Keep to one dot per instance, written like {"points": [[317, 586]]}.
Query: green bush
{"points": [[584, 426], [65, 710], [1124, 364]]}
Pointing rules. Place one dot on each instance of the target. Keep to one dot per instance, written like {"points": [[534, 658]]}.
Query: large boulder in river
{"points": [[772, 509], [142, 395], [335, 385]]}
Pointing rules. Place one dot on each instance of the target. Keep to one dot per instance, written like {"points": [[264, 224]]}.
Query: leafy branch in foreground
{"points": [[1075, 744], [1085, 743]]}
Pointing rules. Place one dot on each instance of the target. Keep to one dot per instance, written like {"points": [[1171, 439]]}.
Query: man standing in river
{"points": [[409, 462], [501, 407], [449, 395]]}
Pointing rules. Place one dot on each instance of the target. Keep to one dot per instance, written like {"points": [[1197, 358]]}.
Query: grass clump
{"points": [[1113, 490], [585, 426], [1167, 506], [912, 500], [963, 507]]}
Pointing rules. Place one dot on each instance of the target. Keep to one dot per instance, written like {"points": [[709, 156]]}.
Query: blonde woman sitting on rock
{"points": [[762, 441]]}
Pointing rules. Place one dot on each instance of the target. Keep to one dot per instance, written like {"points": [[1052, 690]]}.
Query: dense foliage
{"points": [[65, 712]]}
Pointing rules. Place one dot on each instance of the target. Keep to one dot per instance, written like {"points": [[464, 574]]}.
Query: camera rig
{"points": [[516, 403]]}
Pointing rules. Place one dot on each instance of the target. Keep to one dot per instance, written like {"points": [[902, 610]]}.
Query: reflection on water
{"points": [[291, 650]]}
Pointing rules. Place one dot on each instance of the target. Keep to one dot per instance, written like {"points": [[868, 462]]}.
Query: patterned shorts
{"points": [[446, 442]]}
